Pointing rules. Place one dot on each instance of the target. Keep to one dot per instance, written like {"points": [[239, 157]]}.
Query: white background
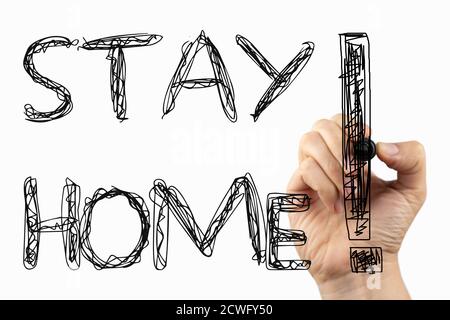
{"points": [[195, 147]]}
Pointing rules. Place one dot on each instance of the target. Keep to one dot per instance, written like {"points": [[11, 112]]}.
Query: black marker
{"points": [[365, 150]]}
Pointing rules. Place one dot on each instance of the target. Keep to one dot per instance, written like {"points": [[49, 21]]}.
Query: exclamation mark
{"points": [[357, 149]]}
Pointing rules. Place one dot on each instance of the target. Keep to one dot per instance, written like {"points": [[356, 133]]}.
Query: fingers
{"points": [[332, 135], [337, 118], [296, 183], [408, 159], [313, 145], [320, 158], [310, 175], [320, 168]]}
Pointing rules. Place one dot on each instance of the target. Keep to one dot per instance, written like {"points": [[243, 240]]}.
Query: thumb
{"points": [[408, 159]]}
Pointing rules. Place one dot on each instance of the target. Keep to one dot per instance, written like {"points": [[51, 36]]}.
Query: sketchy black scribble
{"points": [[67, 223], [366, 260], [169, 200], [113, 261], [221, 77], [165, 201], [280, 80], [355, 76], [115, 46], [277, 204], [70, 205], [61, 92]]}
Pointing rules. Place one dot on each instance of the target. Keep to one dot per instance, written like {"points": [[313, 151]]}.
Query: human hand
{"points": [[394, 205]]}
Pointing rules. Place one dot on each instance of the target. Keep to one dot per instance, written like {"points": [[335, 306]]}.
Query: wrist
{"points": [[384, 285]]}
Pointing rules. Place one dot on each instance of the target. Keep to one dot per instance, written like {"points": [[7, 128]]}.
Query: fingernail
{"points": [[389, 149], [339, 206]]}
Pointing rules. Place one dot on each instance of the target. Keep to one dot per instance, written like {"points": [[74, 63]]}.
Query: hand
{"points": [[394, 204]]}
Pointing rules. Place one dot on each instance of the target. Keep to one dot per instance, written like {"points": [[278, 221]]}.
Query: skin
{"points": [[394, 205]]}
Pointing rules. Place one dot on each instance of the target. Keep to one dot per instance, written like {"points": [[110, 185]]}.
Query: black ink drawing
{"points": [[366, 260], [221, 78], [61, 92], [115, 46], [67, 224], [135, 202], [169, 200], [166, 201], [277, 204], [357, 148], [355, 75], [280, 80]]}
